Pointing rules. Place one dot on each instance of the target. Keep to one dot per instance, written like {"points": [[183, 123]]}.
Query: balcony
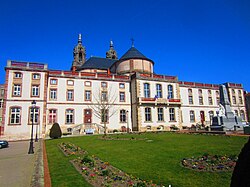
{"points": [[144, 100]]}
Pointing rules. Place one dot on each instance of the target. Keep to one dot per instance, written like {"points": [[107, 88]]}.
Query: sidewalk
{"points": [[20, 169]]}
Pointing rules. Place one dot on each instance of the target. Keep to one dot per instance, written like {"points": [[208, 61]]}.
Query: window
{"points": [[146, 90], [236, 113], [34, 90], [209, 92], [147, 114], [233, 91], [53, 81], [52, 116], [17, 75], [170, 92], [200, 92], [1, 103], [210, 101], [122, 96], [242, 115], [70, 82], [190, 92], [2, 92], [15, 115], [104, 118], [211, 115], [200, 100], [87, 83], [190, 99], [123, 116], [17, 90], [104, 84], [104, 96], [217, 97], [122, 85], [158, 91], [240, 100], [70, 95], [53, 94], [35, 76], [87, 95], [218, 100], [234, 99], [192, 116], [69, 116], [35, 112], [160, 114], [171, 114]]}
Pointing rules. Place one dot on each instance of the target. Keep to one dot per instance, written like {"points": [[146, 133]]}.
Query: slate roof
{"points": [[133, 53], [97, 63]]}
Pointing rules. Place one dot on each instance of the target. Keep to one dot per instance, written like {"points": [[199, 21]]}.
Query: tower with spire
{"points": [[111, 53], [79, 54]]}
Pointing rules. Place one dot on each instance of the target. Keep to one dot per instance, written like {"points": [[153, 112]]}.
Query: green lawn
{"points": [[157, 160]]}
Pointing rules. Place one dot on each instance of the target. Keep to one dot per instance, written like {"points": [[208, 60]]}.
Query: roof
{"points": [[134, 53], [97, 63]]}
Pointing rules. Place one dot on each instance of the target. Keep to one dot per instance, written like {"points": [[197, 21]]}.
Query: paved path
{"points": [[17, 167]]}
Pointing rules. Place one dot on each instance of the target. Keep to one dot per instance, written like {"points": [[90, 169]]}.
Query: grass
{"points": [[157, 160]]}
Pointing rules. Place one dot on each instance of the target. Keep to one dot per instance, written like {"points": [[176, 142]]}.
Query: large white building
{"points": [[134, 96]]}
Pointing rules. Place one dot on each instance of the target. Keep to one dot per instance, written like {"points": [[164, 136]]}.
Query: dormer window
{"points": [[36, 76], [17, 75]]}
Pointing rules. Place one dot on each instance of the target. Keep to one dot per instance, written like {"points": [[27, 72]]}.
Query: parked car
{"points": [[3, 143]]}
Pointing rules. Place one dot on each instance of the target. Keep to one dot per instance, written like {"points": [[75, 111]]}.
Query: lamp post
{"points": [[31, 148], [127, 122], [36, 139]]}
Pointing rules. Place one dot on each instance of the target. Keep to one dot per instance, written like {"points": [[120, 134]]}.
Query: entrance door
{"points": [[87, 116], [202, 117]]}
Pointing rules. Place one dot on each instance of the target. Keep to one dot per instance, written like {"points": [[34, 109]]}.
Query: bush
{"points": [[55, 131]]}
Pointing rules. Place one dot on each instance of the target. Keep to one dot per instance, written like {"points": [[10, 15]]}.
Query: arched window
{"points": [[192, 116], [34, 115], [170, 92], [52, 116]]}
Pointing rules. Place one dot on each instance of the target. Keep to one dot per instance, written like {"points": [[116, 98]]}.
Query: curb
{"points": [[47, 179]]}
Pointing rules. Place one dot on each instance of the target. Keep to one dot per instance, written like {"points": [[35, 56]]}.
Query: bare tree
{"points": [[103, 105]]}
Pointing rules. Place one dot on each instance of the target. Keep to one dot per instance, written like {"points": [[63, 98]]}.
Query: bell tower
{"points": [[79, 55], [111, 53]]}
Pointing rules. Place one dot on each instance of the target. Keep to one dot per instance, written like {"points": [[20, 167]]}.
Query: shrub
{"points": [[55, 131]]}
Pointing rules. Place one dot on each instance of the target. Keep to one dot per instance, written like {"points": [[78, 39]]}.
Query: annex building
{"points": [[120, 93]]}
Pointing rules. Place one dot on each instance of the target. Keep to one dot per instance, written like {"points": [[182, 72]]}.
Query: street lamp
{"points": [[31, 148], [127, 122]]}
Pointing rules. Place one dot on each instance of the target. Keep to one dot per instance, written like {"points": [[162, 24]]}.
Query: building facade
{"points": [[122, 94]]}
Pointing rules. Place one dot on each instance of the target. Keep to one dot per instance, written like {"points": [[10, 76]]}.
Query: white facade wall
{"points": [[24, 102], [79, 104], [196, 106]]}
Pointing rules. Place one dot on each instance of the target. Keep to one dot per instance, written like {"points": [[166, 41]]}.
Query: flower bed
{"points": [[70, 149], [99, 173], [210, 163]]}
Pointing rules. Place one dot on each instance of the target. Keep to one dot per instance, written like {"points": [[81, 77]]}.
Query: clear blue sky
{"points": [[198, 40]]}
